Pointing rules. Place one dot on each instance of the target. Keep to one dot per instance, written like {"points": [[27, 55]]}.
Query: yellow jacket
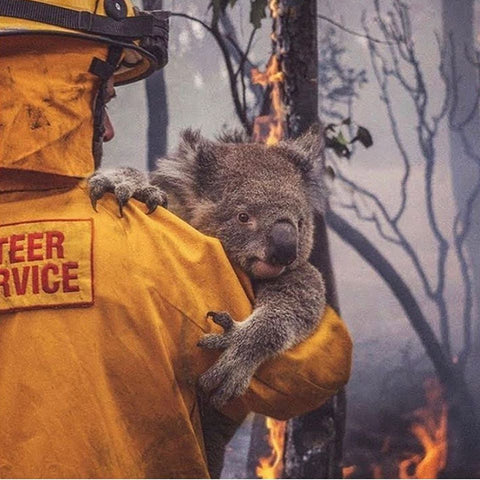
{"points": [[100, 317]]}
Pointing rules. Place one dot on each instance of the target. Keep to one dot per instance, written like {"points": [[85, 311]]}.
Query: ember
{"points": [[349, 471]]}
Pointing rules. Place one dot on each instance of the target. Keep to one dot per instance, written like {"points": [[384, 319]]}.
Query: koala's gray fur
{"points": [[212, 185]]}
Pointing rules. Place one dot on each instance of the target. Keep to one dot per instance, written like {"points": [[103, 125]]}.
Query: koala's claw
{"points": [[152, 196], [151, 208], [123, 193], [99, 184], [120, 210], [223, 319], [219, 341]]}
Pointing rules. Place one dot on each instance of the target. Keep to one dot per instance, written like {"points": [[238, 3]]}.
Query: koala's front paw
{"points": [[226, 380], [126, 183], [220, 341], [152, 197]]}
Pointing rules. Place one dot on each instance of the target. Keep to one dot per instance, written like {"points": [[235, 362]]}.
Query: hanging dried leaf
{"points": [[257, 12], [364, 137]]}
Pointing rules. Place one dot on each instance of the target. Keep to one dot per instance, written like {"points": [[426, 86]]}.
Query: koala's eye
{"points": [[243, 217]]}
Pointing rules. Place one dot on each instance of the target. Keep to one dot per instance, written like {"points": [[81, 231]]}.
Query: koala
{"points": [[259, 201]]}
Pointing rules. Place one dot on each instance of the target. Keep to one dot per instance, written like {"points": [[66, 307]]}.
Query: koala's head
{"points": [[258, 200]]}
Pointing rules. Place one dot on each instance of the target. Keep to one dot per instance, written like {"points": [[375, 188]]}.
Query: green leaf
{"points": [[340, 149], [257, 12], [341, 139]]}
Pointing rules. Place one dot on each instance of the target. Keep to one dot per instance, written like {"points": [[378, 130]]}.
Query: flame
{"points": [[430, 428], [270, 128], [272, 466], [431, 431], [347, 472], [408, 465], [377, 471], [275, 8]]}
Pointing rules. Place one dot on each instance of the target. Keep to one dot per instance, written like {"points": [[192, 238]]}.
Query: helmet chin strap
{"points": [[104, 69]]}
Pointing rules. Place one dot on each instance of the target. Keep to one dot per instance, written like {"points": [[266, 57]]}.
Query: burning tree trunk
{"points": [[313, 442]]}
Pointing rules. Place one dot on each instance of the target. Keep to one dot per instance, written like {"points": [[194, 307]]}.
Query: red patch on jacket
{"points": [[46, 264]]}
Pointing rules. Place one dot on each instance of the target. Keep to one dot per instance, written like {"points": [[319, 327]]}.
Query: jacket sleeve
{"points": [[302, 378]]}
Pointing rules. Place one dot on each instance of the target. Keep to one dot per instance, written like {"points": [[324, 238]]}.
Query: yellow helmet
{"points": [[141, 37]]}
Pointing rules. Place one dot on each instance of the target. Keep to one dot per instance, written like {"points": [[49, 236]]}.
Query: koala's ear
{"points": [[196, 149], [199, 160], [308, 149], [191, 169], [308, 154], [234, 135]]}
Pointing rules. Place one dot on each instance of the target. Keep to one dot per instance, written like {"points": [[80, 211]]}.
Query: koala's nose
{"points": [[282, 244]]}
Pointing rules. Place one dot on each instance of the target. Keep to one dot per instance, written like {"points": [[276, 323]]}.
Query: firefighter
{"points": [[100, 315]]}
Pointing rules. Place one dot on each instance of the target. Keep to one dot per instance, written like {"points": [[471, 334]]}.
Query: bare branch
{"points": [[242, 54], [370, 218], [402, 53], [395, 41], [373, 217], [399, 288], [348, 30], [383, 83], [214, 31], [241, 65], [436, 119]]}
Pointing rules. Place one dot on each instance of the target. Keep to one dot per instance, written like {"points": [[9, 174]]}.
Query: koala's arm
{"points": [[302, 378], [287, 309]]}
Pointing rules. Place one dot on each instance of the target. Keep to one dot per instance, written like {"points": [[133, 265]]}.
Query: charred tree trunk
{"points": [[156, 106], [314, 441]]}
